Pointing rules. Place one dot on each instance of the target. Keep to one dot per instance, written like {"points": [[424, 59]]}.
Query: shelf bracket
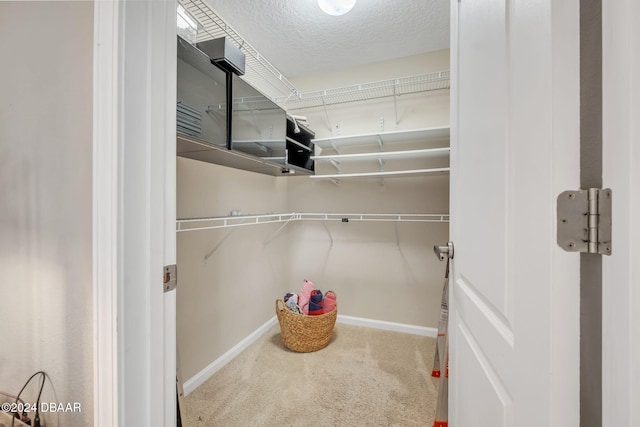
{"points": [[335, 182], [395, 100], [381, 163], [380, 143], [207, 256], [277, 232], [335, 164], [326, 115], [397, 235], [287, 98], [335, 147]]}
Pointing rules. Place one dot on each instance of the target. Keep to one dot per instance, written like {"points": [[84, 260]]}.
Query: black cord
{"points": [[37, 416]]}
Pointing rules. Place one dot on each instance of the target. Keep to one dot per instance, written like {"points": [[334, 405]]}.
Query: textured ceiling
{"points": [[299, 39]]}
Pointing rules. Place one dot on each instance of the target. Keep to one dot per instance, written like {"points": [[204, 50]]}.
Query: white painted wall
{"points": [[222, 300], [45, 209], [376, 273]]}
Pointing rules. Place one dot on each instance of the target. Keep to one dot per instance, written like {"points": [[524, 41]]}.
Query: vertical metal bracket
{"points": [[170, 277], [326, 115], [584, 221]]}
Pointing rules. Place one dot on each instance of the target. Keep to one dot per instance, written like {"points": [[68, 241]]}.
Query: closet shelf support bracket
{"points": [[278, 231], [395, 101], [324, 222], [207, 256], [326, 115]]}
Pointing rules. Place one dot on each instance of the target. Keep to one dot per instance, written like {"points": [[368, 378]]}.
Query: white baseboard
{"points": [[202, 376], [388, 326], [198, 379]]}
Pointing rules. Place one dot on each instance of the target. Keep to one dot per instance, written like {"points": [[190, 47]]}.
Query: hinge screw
{"points": [[571, 245]]}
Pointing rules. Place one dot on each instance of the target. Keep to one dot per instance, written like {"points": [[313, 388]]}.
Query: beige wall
{"points": [[222, 300], [376, 273], [45, 209], [382, 271], [383, 70]]}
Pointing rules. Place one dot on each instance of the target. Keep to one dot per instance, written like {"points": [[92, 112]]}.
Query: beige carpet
{"points": [[364, 377]]}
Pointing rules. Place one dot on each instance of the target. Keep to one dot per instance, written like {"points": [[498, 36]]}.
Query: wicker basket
{"points": [[304, 333]]}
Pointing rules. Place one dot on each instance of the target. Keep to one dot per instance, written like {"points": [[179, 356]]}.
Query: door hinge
{"points": [[170, 277], [584, 221]]}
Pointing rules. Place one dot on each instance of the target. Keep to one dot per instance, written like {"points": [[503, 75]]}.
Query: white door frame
{"points": [[134, 212], [145, 345], [621, 172], [105, 213]]}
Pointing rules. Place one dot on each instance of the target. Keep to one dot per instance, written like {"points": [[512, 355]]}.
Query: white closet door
{"points": [[514, 323]]}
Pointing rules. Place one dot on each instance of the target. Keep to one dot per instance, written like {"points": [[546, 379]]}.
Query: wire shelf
{"points": [[265, 77], [196, 224], [365, 91], [259, 71]]}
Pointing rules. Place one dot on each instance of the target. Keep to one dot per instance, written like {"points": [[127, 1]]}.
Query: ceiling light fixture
{"points": [[336, 7]]}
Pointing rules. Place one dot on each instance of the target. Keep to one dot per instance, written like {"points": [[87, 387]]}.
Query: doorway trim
{"points": [[134, 212], [105, 218]]}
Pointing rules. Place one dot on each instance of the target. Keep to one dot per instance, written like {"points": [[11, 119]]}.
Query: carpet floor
{"points": [[364, 377]]}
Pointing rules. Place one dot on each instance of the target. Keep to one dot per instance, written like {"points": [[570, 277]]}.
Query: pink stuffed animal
{"points": [[305, 295]]}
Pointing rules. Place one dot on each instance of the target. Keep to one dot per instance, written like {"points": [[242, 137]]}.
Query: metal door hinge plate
{"points": [[584, 221], [170, 277]]}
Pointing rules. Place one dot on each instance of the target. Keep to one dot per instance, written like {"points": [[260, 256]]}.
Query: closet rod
{"points": [[345, 217], [242, 220], [230, 221]]}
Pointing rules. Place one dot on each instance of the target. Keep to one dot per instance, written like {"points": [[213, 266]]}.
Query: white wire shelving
{"points": [[265, 77], [423, 152], [383, 174], [383, 140], [196, 224], [366, 91], [234, 221], [268, 79], [259, 71]]}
